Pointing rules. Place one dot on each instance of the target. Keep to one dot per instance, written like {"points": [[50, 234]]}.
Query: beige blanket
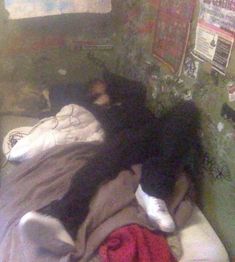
{"points": [[37, 182]]}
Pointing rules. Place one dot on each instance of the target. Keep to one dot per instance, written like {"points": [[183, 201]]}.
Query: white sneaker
{"points": [[156, 210], [46, 232]]}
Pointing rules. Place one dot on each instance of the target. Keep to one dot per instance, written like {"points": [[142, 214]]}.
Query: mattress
{"points": [[200, 242]]}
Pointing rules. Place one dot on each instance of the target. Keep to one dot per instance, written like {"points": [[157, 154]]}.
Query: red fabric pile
{"points": [[135, 244]]}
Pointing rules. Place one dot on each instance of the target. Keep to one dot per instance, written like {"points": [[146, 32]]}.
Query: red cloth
{"points": [[135, 244]]}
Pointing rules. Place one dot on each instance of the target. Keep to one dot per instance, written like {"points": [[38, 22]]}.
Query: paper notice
{"points": [[213, 44]]}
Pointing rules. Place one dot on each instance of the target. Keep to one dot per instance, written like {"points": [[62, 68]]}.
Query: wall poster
{"points": [[215, 33], [37, 8], [172, 32]]}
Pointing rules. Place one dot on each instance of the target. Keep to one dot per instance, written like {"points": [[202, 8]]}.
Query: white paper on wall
{"points": [[231, 91], [220, 13], [215, 33], [214, 45], [37, 8]]}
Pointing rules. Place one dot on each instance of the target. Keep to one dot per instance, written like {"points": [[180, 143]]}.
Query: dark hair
{"points": [[96, 81]]}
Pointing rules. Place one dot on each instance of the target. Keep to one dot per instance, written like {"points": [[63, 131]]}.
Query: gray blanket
{"points": [[37, 182]]}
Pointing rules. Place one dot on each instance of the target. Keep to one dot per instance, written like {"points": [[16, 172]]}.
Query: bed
{"points": [[198, 239]]}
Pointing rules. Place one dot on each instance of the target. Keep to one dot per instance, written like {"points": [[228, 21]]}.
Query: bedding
{"points": [[200, 242], [34, 184], [72, 123], [7, 123]]}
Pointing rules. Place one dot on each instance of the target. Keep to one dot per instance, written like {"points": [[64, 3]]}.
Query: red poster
{"points": [[172, 32]]}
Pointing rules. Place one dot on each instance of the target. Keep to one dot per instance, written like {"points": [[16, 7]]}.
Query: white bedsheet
{"points": [[200, 242]]}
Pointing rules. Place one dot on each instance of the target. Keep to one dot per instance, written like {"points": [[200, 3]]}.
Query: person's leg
{"points": [[181, 188], [155, 188], [162, 200], [178, 139], [156, 210]]}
